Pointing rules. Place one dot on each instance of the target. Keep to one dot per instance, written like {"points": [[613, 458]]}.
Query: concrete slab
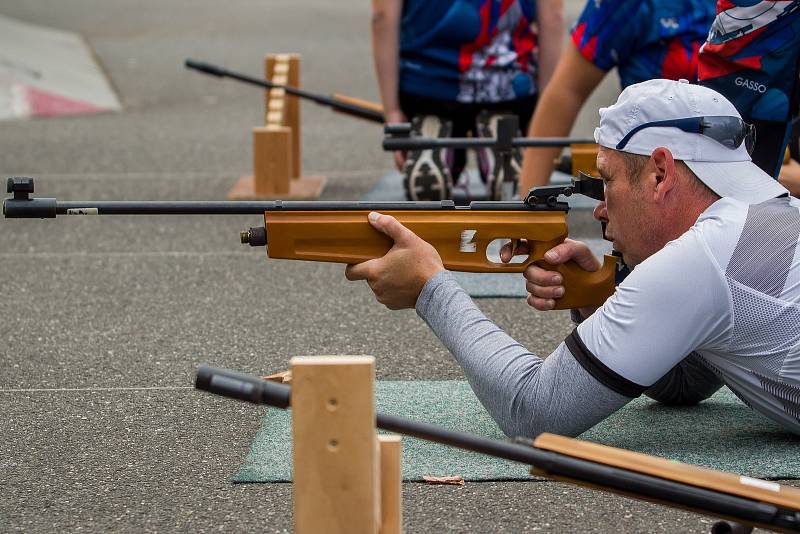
{"points": [[46, 72]]}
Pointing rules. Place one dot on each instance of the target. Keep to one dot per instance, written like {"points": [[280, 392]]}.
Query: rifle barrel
{"points": [[22, 205], [424, 143], [258, 391], [46, 208], [330, 101]]}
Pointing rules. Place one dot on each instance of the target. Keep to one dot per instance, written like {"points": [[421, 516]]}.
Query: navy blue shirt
{"points": [[644, 39], [468, 50]]}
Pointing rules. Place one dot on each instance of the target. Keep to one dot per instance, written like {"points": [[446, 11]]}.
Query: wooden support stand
{"points": [[584, 158], [276, 145], [345, 478]]}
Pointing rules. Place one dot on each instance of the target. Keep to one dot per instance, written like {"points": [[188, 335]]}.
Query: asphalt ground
{"points": [[104, 320]]}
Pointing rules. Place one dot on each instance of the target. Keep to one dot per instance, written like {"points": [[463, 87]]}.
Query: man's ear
{"points": [[665, 172]]}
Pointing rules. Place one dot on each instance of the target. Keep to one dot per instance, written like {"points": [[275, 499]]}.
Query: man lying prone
{"points": [[713, 298]]}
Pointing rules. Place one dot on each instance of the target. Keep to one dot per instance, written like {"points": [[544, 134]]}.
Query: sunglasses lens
{"points": [[729, 131], [750, 140]]}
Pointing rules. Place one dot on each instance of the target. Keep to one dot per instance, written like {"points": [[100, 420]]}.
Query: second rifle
{"points": [[355, 107]]}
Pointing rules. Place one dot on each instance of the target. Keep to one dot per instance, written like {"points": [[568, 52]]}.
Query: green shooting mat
{"points": [[720, 433]]}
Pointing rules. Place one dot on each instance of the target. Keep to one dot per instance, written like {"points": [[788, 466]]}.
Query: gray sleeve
{"points": [[523, 393]]}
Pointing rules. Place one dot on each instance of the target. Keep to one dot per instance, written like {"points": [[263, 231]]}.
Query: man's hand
{"points": [[790, 177], [545, 286], [398, 277]]}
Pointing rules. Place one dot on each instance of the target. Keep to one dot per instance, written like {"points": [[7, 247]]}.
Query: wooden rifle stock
{"points": [[358, 102], [755, 489], [462, 238]]}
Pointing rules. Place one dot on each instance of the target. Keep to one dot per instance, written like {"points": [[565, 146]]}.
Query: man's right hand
{"points": [[545, 286]]}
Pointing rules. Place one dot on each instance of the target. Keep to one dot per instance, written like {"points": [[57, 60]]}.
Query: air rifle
{"points": [[356, 107], [751, 501], [339, 232], [400, 136]]}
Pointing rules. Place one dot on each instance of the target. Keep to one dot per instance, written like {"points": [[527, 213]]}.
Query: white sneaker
{"points": [[426, 176]]}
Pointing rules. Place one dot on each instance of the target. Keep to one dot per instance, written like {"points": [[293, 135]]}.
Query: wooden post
{"points": [[335, 456], [273, 155], [584, 158], [391, 485], [293, 112], [269, 142]]}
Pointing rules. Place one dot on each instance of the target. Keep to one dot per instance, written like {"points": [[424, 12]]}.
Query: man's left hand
{"points": [[398, 277]]}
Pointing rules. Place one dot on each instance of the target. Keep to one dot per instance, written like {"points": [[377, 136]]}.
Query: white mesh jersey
{"points": [[729, 289]]}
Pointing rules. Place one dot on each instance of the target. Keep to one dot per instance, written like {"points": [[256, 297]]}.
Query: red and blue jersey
{"points": [[644, 39], [751, 56], [468, 50]]}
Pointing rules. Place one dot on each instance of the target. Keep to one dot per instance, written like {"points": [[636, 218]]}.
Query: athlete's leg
{"points": [[686, 384]]}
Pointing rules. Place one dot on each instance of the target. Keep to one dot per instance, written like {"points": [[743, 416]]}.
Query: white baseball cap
{"points": [[729, 172]]}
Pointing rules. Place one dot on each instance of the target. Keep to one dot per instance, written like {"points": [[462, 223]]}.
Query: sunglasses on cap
{"points": [[729, 131]]}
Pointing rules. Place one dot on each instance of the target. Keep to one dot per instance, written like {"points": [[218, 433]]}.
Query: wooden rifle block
{"points": [[346, 479], [391, 484], [732, 484], [276, 146], [584, 159]]}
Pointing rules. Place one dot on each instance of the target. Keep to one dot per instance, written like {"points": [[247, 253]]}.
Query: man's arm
{"points": [[550, 23], [573, 81], [386, 16], [790, 177], [386, 52], [524, 394]]}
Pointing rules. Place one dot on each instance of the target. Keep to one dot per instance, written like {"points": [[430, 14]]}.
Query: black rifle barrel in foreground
{"points": [[330, 101], [253, 389]]}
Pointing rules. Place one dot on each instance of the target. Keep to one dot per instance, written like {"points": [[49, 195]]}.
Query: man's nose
{"points": [[601, 212]]}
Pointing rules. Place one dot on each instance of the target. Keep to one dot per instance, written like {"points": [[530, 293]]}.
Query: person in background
{"points": [[643, 39], [751, 57], [446, 62]]}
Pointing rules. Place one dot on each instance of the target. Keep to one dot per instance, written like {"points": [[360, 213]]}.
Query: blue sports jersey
{"points": [[468, 50], [644, 39], [751, 56]]}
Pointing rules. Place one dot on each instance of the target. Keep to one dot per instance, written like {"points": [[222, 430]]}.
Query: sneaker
{"points": [[426, 176], [490, 167]]}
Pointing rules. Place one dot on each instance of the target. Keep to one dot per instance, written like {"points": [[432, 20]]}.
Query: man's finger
{"points": [[508, 250], [576, 251], [541, 304], [542, 277], [359, 271], [545, 292], [389, 226]]}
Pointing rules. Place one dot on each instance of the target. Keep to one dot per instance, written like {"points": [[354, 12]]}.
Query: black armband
{"points": [[602, 373]]}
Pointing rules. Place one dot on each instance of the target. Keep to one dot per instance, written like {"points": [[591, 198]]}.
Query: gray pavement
{"points": [[105, 319]]}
